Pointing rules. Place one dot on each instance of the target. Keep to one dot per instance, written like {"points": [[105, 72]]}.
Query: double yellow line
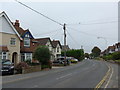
{"points": [[104, 78]]}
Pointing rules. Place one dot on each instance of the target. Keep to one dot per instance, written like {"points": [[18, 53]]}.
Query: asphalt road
{"points": [[85, 74]]}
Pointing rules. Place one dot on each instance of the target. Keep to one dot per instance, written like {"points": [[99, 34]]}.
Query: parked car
{"points": [[7, 67], [62, 59], [74, 60]]}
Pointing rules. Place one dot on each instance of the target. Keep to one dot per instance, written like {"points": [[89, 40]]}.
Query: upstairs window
{"points": [[57, 49], [12, 41], [27, 42]]}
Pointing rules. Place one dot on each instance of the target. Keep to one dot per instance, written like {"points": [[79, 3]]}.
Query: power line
{"points": [[73, 38], [83, 32], [47, 32], [94, 23], [99, 23], [93, 35], [39, 12]]}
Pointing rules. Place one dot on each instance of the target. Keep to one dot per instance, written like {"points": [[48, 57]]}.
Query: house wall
{"points": [[12, 48], [6, 33], [55, 51]]}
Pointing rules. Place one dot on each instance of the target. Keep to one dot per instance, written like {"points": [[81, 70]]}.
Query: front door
{"points": [[14, 58]]}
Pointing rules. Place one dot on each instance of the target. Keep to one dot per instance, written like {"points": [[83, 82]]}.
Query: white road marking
{"points": [[109, 79], [64, 76]]}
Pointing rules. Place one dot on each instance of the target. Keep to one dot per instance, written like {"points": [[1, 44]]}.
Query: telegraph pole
{"points": [[64, 28]]}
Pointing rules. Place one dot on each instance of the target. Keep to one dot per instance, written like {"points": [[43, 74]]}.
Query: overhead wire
{"points": [[93, 35], [38, 12]]}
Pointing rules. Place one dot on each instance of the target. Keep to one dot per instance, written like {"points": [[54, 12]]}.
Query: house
{"points": [[27, 44], [46, 42], [117, 47], [57, 48], [111, 49], [9, 40]]}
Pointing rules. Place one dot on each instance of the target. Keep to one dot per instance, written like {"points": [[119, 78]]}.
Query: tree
{"points": [[42, 54], [96, 52], [76, 53]]}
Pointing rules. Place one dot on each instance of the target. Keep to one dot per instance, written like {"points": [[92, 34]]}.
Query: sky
{"points": [[85, 21]]}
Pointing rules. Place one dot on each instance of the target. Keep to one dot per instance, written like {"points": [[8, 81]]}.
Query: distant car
{"points": [[7, 67], [74, 60], [62, 59], [57, 62]]}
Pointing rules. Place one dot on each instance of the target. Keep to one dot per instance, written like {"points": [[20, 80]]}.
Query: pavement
{"points": [[85, 74]]}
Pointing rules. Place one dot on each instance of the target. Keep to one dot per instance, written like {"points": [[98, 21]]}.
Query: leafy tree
{"points": [[96, 52], [76, 53], [42, 54]]}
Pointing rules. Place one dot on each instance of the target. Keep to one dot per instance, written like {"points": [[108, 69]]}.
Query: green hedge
{"points": [[113, 56]]}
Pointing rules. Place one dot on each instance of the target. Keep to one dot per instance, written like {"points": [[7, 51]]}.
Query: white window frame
{"points": [[28, 42], [28, 55], [4, 55], [12, 41]]}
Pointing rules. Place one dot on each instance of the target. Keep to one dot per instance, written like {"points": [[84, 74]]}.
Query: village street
{"points": [[85, 74]]}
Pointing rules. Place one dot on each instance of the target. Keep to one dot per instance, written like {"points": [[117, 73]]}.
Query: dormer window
{"points": [[27, 41], [27, 36]]}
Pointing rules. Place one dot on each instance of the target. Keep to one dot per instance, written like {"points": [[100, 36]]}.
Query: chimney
{"points": [[17, 23]]}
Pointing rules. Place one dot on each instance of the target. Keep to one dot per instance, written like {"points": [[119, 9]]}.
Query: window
{"points": [[22, 57], [27, 42], [57, 49], [0, 55], [27, 36], [4, 55], [12, 41], [28, 56]]}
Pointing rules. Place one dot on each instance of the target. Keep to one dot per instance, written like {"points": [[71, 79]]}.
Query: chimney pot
{"points": [[17, 23]]}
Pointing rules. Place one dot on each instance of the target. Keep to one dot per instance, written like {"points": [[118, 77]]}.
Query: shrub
{"points": [[116, 56], [21, 65]]}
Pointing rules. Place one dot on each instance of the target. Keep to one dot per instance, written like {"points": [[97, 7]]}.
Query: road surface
{"points": [[85, 74]]}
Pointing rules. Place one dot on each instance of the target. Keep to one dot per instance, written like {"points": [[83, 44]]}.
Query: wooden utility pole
{"points": [[64, 28]]}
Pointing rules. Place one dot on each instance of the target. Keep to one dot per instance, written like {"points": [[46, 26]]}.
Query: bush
{"points": [[116, 56], [21, 65], [28, 62]]}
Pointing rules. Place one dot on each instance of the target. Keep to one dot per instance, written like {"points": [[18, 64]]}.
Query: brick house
{"points": [[27, 45]]}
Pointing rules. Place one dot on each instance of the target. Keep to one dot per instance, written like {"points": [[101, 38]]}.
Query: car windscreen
{"points": [[7, 63]]}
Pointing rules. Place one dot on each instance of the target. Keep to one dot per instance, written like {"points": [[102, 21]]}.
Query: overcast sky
{"points": [[85, 21]]}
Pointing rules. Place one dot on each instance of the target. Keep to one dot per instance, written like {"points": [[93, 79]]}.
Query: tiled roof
{"points": [[4, 48], [111, 48], [55, 43], [42, 41], [19, 30]]}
